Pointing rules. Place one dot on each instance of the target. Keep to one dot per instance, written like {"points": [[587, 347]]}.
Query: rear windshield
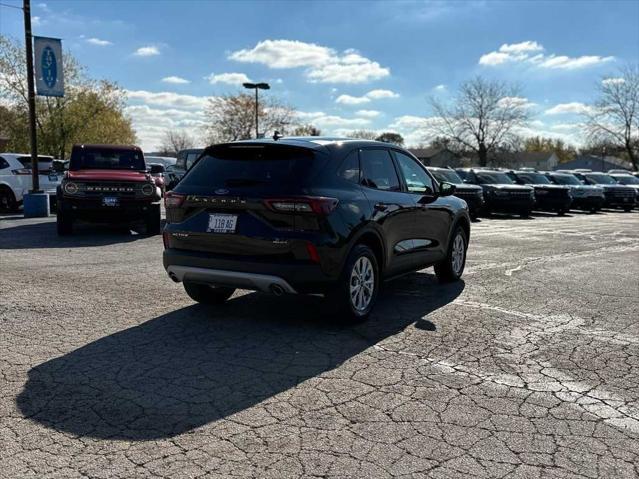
{"points": [[534, 178], [250, 166], [106, 159], [627, 180], [44, 162]]}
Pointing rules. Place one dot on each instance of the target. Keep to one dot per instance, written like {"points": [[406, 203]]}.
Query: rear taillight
{"points": [[173, 200], [318, 205], [313, 255], [21, 171]]}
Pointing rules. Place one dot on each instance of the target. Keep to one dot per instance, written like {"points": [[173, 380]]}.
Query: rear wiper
{"points": [[242, 182]]}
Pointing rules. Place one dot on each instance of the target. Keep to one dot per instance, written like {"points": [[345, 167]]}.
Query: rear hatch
{"points": [[49, 178], [252, 200]]}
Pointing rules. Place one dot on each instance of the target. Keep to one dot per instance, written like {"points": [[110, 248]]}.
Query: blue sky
{"points": [[343, 65]]}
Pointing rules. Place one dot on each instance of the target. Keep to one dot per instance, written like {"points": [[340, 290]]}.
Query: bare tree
{"points": [[306, 130], [390, 137], [232, 117], [483, 116], [363, 134], [614, 116], [176, 140]]}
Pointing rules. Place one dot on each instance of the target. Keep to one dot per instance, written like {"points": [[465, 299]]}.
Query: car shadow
{"points": [[197, 364], [44, 235]]}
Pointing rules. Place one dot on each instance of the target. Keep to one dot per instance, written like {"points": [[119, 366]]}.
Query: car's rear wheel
{"points": [[8, 200], [153, 220], [356, 292], [206, 294], [64, 222], [452, 267]]}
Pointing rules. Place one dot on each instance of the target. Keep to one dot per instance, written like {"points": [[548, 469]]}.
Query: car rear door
{"points": [[434, 214], [392, 209]]}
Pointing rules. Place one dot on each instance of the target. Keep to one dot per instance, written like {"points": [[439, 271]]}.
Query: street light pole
{"points": [[256, 86], [31, 92]]}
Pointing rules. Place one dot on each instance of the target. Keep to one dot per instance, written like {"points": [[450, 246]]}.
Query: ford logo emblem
{"points": [[221, 191]]}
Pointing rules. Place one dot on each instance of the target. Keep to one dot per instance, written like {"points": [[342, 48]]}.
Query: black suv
{"points": [[310, 215], [548, 197], [584, 197], [617, 195], [473, 195], [185, 159], [501, 194]]}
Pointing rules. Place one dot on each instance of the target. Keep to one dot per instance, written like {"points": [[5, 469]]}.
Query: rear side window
{"points": [[3, 163], [350, 168], [190, 159], [378, 170], [250, 166]]}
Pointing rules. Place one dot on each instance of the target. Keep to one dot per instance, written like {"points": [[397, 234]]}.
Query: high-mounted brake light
{"points": [[318, 205], [173, 200]]}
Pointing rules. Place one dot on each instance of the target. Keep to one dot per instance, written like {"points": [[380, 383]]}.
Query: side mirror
{"points": [[447, 189]]}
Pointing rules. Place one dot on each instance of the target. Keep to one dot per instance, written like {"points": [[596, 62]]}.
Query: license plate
{"points": [[110, 201], [53, 177], [222, 223]]}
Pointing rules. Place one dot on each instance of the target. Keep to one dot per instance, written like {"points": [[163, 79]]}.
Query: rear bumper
{"points": [[236, 272]]}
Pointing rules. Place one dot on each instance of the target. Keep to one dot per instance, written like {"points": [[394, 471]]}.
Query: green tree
{"points": [[563, 151], [390, 137], [92, 111]]}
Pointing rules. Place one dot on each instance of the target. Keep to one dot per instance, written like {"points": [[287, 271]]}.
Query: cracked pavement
{"points": [[529, 368]]}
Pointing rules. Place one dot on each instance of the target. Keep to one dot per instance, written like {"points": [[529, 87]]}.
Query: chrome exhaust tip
{"points": [[174, 277]]}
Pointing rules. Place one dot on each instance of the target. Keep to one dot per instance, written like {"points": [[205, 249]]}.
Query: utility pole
{"points": [[32, 113], [256, 86]]}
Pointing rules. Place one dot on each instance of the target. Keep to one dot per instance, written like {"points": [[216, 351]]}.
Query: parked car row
{"points": [[522, 191]]}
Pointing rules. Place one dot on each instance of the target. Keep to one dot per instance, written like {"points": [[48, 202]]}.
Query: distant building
{"points": [[538, 160], [437, 156], [594, 163]]}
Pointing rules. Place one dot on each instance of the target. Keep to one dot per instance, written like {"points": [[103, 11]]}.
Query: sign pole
{"points": [[32, 112]]}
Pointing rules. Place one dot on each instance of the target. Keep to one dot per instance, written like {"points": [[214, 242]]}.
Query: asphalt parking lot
{"points": [[529, 368]]}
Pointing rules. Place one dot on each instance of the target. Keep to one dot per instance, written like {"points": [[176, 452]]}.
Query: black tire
{"points": [[627, 209], [525, 213], [450, 269], [343, 300], [8, 201], [561, 212], [64, 222], [205, 294], [153, 220]]}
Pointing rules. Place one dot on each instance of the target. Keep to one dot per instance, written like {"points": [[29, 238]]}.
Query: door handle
{"points": [[381, 207]]}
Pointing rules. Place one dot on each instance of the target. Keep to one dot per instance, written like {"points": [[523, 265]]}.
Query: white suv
{"points": [[15, 178]]}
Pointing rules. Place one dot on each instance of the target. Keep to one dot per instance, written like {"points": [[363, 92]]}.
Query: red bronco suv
{"points": [[108, 184]]}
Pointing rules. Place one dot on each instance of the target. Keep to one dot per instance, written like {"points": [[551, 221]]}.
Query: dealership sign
{"points": [[48, 66]]}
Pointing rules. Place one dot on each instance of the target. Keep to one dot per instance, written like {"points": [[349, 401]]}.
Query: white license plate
{"points": [[222, 223], [110, 201]]}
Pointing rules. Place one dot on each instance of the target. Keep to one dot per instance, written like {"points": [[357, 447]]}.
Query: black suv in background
{"points": [[501, 194], [473, 195], [548, 197], [185, 159], [584, 197], [617, 196], [628, 180], [310, 215]]}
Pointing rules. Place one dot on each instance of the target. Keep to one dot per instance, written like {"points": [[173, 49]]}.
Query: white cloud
{"points": [[352, 100], [613, 81], [98, 42], [176, 80], [415, 129], [323, 64], [440, 87], [371, 95], [168, 99], [531, 53], [147, 51], [228, 78], [368, 113], [36, 21], [574, 108], [329, 122], [377, 94]]}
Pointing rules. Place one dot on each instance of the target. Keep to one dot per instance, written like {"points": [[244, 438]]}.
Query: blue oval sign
{"points": [[49, 67]]}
